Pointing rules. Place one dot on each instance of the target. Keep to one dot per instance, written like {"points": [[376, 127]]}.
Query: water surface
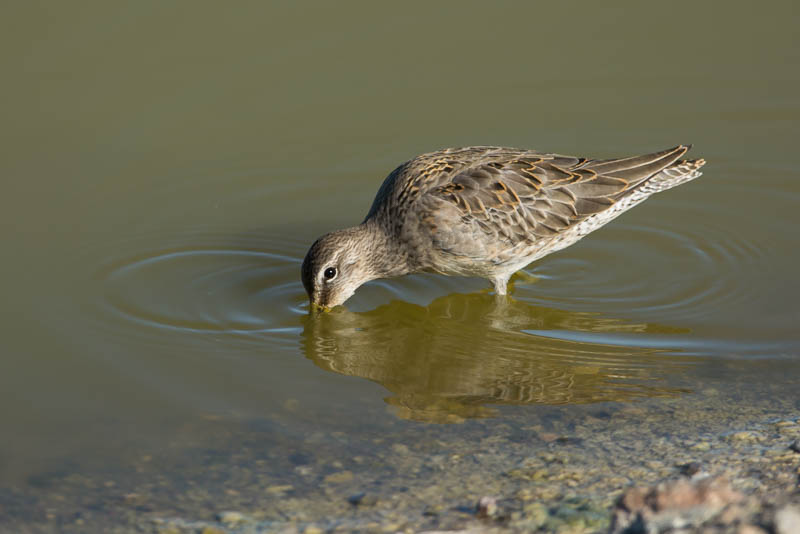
{"points": [[165, 167]]}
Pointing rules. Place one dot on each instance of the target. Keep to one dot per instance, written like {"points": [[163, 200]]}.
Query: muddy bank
{"points": [[546, 468]]}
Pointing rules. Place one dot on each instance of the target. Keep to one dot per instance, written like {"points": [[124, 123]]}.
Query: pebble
{"points": [[529, 484], [231, 518], [341, 476], [399, 448], [487, 507], [362, 499], [787, 520], [746, 436], [646, 508], [280, 489], [691, 469]]}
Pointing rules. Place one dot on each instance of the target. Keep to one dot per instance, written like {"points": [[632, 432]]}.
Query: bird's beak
{"points": [[318, 307]]}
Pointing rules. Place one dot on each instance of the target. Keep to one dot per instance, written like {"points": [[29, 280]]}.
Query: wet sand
{"points": [[548, 468]]}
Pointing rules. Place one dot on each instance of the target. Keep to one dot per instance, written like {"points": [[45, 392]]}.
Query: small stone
{"points": [[690, 469], [433, 510], [341, 476], [642, 509], [362, 499], [539, 474], [795, 446], [526, 494], [212, 530], [487, 507], [231, 518], [399, 448], [303, 470], [701, 446], [280, 489], [787, 520], [312, 529], [745, 436], [537, 513]]}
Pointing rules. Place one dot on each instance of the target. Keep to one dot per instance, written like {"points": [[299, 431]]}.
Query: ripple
{"points": [[204, 288], [686, 273]]}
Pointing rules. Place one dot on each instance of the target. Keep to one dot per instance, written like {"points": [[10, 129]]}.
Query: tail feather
{"points": [[674, 175], [639, 168]]}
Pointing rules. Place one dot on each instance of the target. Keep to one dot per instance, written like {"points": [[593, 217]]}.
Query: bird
{"points": [[483, 211]]}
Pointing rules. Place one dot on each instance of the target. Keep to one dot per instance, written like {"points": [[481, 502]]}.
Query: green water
{"points": [[166, 165]]}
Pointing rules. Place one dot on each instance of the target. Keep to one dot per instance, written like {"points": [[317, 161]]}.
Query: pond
{"points": [[166, 167]]}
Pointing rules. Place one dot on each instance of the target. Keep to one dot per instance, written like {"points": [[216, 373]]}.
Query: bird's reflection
{"points": [[448, 360]]}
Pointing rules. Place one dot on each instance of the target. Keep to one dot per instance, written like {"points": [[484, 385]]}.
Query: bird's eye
{"points": [[330, 273]]}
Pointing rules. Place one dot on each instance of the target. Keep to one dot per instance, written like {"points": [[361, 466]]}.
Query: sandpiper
{"points": [[483, 211]]}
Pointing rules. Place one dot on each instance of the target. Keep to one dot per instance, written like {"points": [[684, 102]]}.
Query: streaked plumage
{"points": [[484, 211]]}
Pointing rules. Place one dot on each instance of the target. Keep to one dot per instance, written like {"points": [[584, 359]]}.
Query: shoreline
{"points": [[547, 469]]}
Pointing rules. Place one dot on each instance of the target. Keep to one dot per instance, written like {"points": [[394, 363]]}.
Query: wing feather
{"points": [[525, 195]]}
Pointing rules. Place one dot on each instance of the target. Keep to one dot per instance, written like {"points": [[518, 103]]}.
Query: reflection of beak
{"points": [[318, 308]]}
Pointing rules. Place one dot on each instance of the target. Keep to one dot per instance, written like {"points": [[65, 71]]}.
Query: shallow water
{"points": [[165, 170]]}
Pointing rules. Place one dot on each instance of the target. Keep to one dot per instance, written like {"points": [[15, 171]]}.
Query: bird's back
{"points": [[480, 210]]}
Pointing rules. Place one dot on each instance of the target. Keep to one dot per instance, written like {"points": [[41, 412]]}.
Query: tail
{"points": [[676, 174]]}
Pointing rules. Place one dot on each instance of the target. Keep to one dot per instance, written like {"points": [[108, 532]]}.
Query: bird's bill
{"points": [[318, 307]]}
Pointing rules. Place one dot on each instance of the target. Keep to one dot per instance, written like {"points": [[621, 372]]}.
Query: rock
{"points": [[691, 469], [678, 504], [487, 507], [787, 520], [795, 446], [362, 499]]}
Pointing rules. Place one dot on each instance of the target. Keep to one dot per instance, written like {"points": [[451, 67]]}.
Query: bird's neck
{"points": [[384, 257]]}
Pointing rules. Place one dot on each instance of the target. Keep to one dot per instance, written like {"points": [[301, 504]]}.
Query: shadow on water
{"points": [[448, 360]]}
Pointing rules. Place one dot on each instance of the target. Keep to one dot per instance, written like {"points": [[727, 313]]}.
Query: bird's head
{"points": [[337, 264]]}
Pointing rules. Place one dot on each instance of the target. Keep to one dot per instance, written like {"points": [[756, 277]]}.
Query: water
{"points": [[165, 167]]}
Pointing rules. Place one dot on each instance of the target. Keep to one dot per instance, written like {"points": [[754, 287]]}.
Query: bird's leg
{"points": [[500, 284]]}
